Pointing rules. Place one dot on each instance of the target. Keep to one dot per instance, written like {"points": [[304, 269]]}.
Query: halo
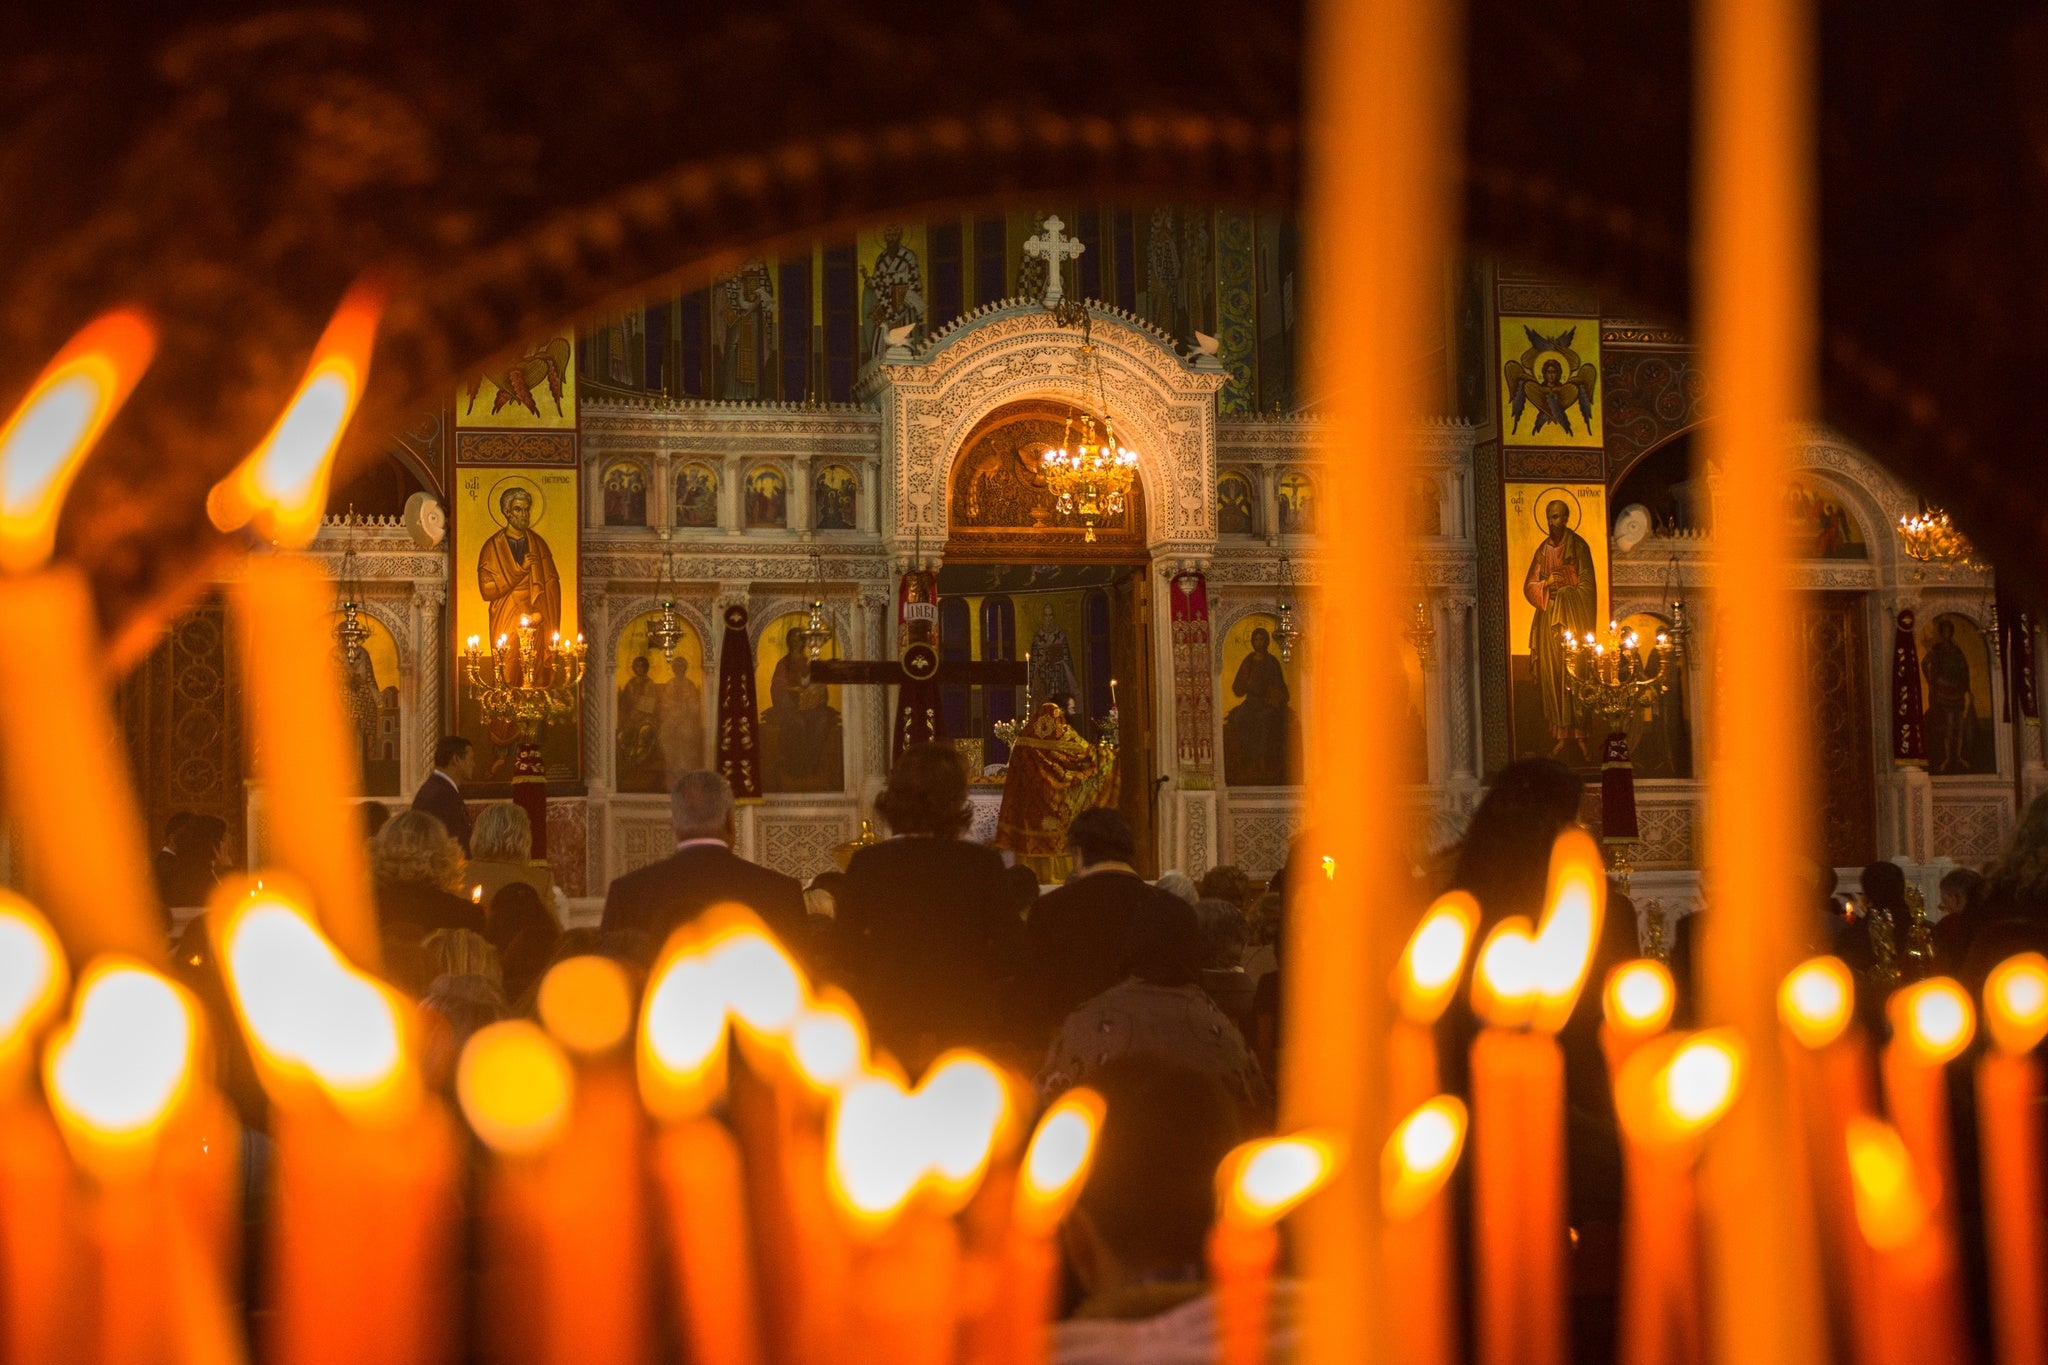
{"points": [[1564, 495], [494, 499]]}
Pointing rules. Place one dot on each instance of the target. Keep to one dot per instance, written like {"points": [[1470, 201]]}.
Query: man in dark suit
{"points": [[1077, 937], [702, 872], [441, 794]]}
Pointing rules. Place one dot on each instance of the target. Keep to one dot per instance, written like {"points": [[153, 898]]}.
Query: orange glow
{"points": [[1638, 999], [1261, 1182], [1891, 1209], [33, 972], [828, 1043], [1504, 980], [1934, 1018], [876, 1160], [120, 1066], [56, 426], [282, 485], [515, 1086], [682, 1037], [1057, 1162], [1816, 999], [1573, 909], [586, 1003], [310, 1015], [1420, 1156], [2015, 1003], [1700, 1081], [963, 1105], [761, 985], [1427, 976]]}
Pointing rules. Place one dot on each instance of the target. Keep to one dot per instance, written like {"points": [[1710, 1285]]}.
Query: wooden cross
{"points": [[920, 663], [1055, 247]]}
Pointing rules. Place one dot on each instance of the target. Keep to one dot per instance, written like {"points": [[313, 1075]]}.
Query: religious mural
{"points": [[999, 490], [696, 496], [625, 494], [1660, 734], [1260, 700], [369, 683], [744, 311], [766, 494], [1557, 550], [516, 545], [802, 735], [1955, 671], [892, 287], [1237, 504], [834, 498], [659, 732], [1821, 526], [1296, 494], [536, 390], [1176, 272], [1550, 382]]}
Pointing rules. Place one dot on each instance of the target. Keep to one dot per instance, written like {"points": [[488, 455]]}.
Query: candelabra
{"points": [[1610, 678], [1286, 634], [510, 692], [1930, 537], [818, 625], [1090, 478]]}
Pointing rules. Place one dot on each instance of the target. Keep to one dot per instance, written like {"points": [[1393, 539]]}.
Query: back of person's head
{"points": [[199, 838], [503, 833], [1175, 882], [1023, 884], [1151, 1194], [700, 806], [172, 825], [926, 792], [1884, 886], [450, 749], [1268, 914], [1225, 933], [1504, 860], [461, 952], [516, 908], [375, 814], [1227, 882], [1165, 945], [1963, 884], [414, 849], [1100, 834], [525, 956], [405, 962]]}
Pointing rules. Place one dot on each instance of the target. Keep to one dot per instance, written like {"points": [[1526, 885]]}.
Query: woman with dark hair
{"points": [[1505, 858], [927, 921]]}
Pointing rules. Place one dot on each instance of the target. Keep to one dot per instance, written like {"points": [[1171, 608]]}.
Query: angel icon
{"points": [[1551, 377]]}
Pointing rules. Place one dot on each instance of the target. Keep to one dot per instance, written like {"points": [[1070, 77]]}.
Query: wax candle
{"points": [[2009, 1138], [828, 1051], [1895, 1218], [1635, 1007], [1932, 1023], [1416, 1250], [1506, 1063], [80, 835], [300, 740], [1423, 983], [38, 1251], [365, 1160], [1257, 1185], [1054, 1171]]}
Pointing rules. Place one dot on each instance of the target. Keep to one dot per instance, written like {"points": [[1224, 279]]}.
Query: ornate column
{"points": [[871, 637], [431, 717], [597, 687], [729, 471], [1454, 643], [800, 515]]}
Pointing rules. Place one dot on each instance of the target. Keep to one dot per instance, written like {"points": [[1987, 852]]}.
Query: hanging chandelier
{"points": [[350, 632], [1286, 635], [665, 626], [1930, 537], [818, 628], [1089, 478]]}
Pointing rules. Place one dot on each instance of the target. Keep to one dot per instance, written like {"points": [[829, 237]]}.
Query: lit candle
{"points": [[1055, 1168], [1416, 1248], [1505, 1062], [84, 846], [365, 1166], [1895, 1219], [37, 1247], [1668, 1092], [1932, 1023], [299, 737], [1635, 1006], [2009, 1138], [1257, 1185], [1424, 982]]}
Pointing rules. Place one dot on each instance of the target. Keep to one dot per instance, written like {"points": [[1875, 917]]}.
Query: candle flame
{"points": [[282, 484], [762, 986], [1428, 972], [1057, 1162], [965, 1104], [876, 1161], [1263, 1181], [33, 972], [1891, 1209], [1504, 979], [1934, 1018], [2015, 1003], [682, 1035], [1639, 998], [586, 1004], [1573, 908], [1701, 1080], [515, 1087], [1420, 1156], [120, 1066], [310, 1014], [57, 424], [1815, 1001], [828, 1044]]}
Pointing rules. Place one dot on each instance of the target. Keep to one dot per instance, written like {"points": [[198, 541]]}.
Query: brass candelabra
{"points": [[519, 684], [1609, 677]]}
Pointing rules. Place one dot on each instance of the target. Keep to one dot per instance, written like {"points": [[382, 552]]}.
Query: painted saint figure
{"points": [[1562, 586], [1052, 664], [801, 748], [1951, 705], [747, 314], [515, 573], [1261, 741], [892, 293]]}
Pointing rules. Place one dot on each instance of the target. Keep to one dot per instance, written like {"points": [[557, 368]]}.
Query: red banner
{"points": [[1194, 719], [739, 756], [1617, 792], [1909, 710]]}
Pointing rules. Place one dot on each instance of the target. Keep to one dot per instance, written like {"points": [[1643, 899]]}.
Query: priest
{"points": [[1054, 775]]}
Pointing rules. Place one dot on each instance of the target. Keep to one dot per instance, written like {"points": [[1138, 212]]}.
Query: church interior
{"points": [[1350, 679]]}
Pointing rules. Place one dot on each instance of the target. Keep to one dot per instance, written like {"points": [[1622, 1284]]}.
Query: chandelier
{"points": [[527, 698], [1421, 635], [665, 626], [818, 627], [1286, 634], [350, 632], [1611, 678], [1089, 478], [1930, 537]]}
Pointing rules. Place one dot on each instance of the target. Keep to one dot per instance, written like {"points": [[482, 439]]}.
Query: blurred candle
{"points": [[1055, 1169], [1895, 1220], [38, 1249], [1423, 983], [1257, 1185], [1416, 1249], [299, 738], [2009, 1139], [1506, 1063], [85, 850], [1635, 1006], [366, 1161], [1932, 1023]]}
